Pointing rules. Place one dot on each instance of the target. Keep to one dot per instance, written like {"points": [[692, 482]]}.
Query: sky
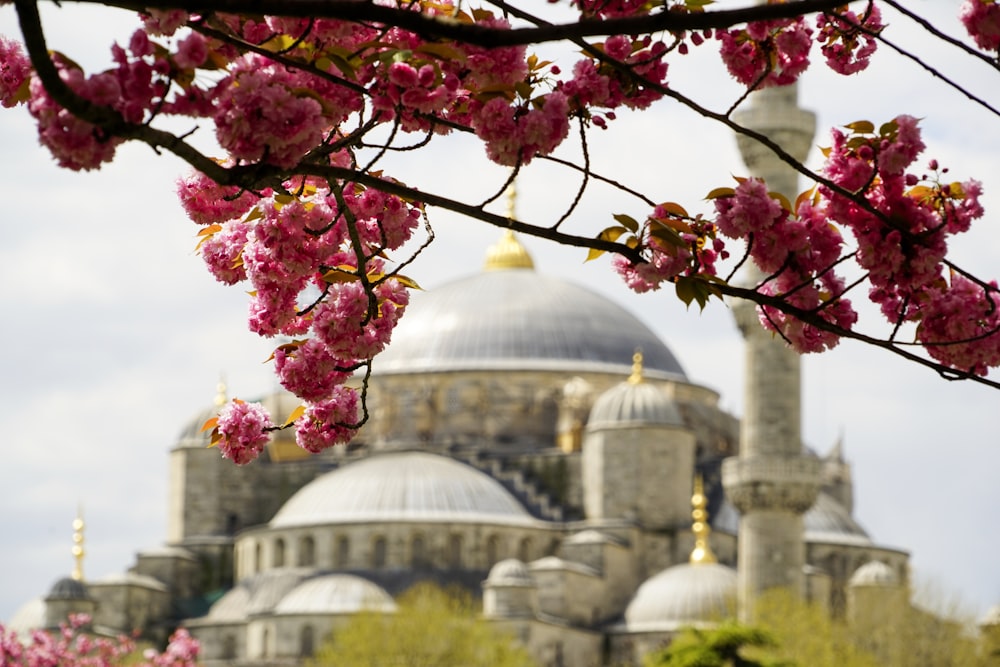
{"points": [[114, 335]]}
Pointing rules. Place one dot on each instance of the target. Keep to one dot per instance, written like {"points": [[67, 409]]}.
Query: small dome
{"points": [[335, 594], [131, 579], [591, 536], [402, 486], [510, 572], [29, 616], [257, 594], [632, 403], [682, 595], [68, 588], [874, 573]]}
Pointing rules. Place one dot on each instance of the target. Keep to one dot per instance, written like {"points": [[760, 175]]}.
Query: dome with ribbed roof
{"points": [[519, 319], [633, 403], [874, 573], [510, 572], [335, 594], [682, 595], [402, 486]]}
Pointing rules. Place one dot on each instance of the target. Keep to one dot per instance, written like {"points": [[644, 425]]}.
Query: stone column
{"points": [[771, 482]]}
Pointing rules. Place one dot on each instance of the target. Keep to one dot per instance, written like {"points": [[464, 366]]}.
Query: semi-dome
{"points": [[68, 588], [335, 594], [402, 486], [829, 522], [518, 319], [682, 595], [510, 572], [257, 594], [874, 573]]}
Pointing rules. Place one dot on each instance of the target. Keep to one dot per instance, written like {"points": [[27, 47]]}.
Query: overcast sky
{"points": [[114, 336]]}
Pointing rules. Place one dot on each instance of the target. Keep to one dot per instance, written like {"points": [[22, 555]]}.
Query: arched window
{"points": [[279, 553], [455, 551], [265, 646], [342, 552], [378, 553], [418, 552], [307, 642], [258, 558], [307, 551], [524, 550], [492, 550], [229, 647]]}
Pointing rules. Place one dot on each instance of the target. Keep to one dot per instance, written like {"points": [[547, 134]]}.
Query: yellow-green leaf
{"points": [[718, 193], [296, 413], [781, 199], [593, 253], [627, 221], [675, 209], [861, 127], [407, 282]]}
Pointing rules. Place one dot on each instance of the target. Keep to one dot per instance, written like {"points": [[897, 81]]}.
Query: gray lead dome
{"points": [[517, 319]]}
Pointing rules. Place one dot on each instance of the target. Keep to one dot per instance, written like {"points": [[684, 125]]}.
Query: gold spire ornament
{"points": [[636, 376], [78, 551], [508, 253], [702, 552]]}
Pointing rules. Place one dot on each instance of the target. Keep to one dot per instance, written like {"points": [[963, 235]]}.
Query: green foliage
{"points": [[728, 645], [432, 628]]}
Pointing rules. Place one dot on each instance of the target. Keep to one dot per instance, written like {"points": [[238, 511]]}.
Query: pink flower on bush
{"points": [[15, 68], [328, 423], [766, 53], [353, 328], [960, 325], [223, 252], [243, 429], [847, 38], [982, 19], [308, 370]]}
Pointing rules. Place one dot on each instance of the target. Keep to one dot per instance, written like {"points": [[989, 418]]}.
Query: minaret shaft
{"points": [[771, 482]]}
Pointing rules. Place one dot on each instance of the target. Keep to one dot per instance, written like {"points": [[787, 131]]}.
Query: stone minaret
{"points": [[771, 482]]}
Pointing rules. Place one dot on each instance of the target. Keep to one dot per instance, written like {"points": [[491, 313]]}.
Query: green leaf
{"points": [[675, 209], [594, 253], [627, 221], [611, 234], [861, 127], [718, 193]]}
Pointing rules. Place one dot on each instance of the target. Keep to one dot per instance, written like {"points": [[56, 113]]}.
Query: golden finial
{"points": [[508, 253], [702, 552], [78, 551], [220, 393], [636, 376]]}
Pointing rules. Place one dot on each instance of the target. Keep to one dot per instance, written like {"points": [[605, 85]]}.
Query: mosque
{"points": [[532, 442]]}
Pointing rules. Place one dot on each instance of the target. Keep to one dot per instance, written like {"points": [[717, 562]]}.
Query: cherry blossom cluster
{"points": [[675, 245], [294, 98], [901, 226], [982, 19], [796, 250], [71, 646], [301, 253], [848, 38]]}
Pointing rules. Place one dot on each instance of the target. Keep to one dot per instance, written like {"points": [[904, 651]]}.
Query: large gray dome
{"points": [[517, 319], [402, 486]]}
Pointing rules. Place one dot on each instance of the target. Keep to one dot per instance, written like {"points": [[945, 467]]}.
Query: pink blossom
{"points": [[15, 68], [848, 38], [328, 423], [262, 113], [243, 428], [308, 370], [192, 51], [164, 22], [960, 325], [982, 19], [207, 202], [749, 210], [766, 53], [223, 252], [350, 326]]}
